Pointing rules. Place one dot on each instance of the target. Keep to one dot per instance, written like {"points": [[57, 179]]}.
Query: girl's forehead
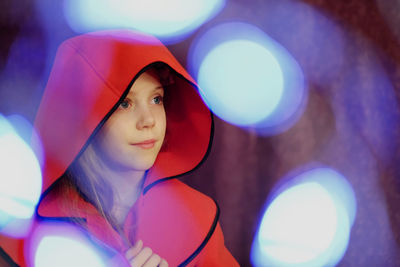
{"points": [[145, 83]]}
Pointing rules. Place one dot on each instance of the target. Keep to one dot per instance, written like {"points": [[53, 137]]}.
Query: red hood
{"points": [[90, 75]]}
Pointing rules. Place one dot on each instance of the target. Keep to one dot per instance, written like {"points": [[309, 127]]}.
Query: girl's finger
{"points": [[142, 257], [154, 261], [133, 251], [163, 263]]}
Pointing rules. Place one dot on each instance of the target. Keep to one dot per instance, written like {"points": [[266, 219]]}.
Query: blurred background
{"points": [[305, 159]]}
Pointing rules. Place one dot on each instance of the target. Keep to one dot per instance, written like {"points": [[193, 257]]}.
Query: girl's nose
{"points": [[146, 119]]}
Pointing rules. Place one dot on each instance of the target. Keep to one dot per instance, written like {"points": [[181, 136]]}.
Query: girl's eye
{"points": [[124, 104], [158, 100]]}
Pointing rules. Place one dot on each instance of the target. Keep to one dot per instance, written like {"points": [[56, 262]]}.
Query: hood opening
{"points": [[85, 88]]}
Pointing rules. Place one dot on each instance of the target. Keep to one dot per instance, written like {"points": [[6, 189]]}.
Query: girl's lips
{"points": [[147, 144]]}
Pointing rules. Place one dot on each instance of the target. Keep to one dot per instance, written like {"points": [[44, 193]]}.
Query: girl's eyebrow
{"points": [[157, 88]]}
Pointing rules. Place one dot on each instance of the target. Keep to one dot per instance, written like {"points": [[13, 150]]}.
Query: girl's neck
{"points": [[127, 187]]}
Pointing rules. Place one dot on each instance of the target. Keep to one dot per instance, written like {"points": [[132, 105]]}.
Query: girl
{"points": [[119, 121]]}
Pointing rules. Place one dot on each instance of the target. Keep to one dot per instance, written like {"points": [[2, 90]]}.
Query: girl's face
{"points": [[132, 137]]}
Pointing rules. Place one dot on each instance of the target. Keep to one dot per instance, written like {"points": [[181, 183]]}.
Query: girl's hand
{"points": [[144, 257]]}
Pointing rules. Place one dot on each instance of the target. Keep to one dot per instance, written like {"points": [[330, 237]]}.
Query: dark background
{"points": [[350, 123]]}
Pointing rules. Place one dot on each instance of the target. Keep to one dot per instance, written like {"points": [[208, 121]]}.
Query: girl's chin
{"points": [[131, 166], [142, 166]]}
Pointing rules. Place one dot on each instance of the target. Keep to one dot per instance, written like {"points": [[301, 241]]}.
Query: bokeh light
{"points": [[171, 21], [307, 221], [61, 244], [27, 132], [20, 181], [247, 78], [248, 108]]}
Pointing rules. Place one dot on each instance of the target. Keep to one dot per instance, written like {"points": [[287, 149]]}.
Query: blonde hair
{"points": [[87, 176]]}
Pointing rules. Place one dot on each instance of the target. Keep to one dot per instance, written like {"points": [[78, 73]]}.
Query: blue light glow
{"points": [[308, 221], [62, 245], [248, 79], [169, 20], [28, 134], [64, 251], [242, 71], [20, 181]]}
